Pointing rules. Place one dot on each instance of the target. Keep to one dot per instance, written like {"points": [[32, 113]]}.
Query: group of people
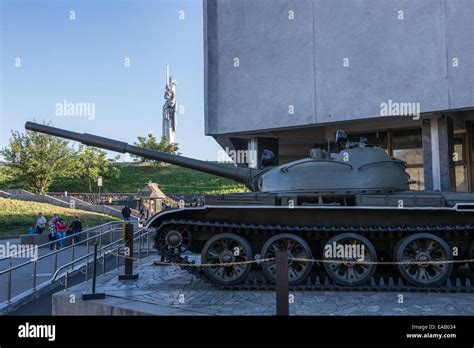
{"points": [[145, 214], [57, 229]]}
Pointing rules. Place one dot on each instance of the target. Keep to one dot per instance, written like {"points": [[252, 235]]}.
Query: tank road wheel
{"points": [[424, 247], [173, 240], [349, 247], [226, 248], [295, 247]]}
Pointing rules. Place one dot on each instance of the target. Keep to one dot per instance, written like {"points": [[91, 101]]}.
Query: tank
{"points": [[351, 213]]}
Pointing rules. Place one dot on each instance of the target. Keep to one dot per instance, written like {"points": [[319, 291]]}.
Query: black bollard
{"points": [[281, 265], [94, 295], [128, 237]]}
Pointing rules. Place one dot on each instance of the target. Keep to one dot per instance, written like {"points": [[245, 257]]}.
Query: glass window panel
{"points": [[458, 149], [471, 136], [407, 146], [418, 175], [461, 178], [374, 138], [411, 156], [332, 147]]}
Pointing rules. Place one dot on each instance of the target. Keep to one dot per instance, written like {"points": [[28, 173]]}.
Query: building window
{"points": [[460, 163], [417, 175], [379, 139], [469, 154], [407, 146]]}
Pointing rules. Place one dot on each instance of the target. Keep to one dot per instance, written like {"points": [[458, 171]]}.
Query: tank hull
{"points": [[384, 226]]}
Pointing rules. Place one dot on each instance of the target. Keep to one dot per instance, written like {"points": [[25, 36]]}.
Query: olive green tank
{"points": [[357, 199]]}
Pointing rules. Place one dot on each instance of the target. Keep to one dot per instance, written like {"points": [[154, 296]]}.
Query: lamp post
{"points": [[99, 183]]}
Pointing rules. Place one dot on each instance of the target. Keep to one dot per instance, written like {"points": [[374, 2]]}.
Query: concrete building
{"points": [[286, 74]]}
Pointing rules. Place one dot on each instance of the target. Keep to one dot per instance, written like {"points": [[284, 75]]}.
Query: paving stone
{"points": [[160, 287]]}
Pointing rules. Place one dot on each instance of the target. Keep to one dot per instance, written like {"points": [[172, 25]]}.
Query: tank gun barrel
{"points": [[239, 174]]}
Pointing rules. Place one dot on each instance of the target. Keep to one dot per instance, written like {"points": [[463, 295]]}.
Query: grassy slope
{"points": [[17, 216], [171, 179]]}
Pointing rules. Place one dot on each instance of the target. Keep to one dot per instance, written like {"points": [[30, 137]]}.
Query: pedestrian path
{"points": [[24, 278], [169, 290]]}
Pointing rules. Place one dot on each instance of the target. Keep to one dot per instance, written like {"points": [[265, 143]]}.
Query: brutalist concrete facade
{"points": [[276, 66]]}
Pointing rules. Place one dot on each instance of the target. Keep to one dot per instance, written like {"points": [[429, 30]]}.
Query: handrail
{"points": [[53, 278], [56, 251], [103, 250], [64, 238]]}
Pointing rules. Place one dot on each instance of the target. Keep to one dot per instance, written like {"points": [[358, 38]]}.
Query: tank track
{"points": [[319, 281]]}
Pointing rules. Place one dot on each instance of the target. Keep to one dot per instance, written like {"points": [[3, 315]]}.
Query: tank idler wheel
{"points": [[296, 247], [349, 247], [226, 248], [424, 247], [173, 240]]}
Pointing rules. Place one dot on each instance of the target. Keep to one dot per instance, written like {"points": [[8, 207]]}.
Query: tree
{"points": [[151, 142], [92, 163], [35, 159]]}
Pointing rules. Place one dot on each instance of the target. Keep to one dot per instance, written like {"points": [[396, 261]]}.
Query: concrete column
{"points": [[438, 148], [253, 153], [256, 146]]}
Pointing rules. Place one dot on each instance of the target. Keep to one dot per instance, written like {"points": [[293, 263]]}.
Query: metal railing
{"points": [[104, 235], [113, 248]]}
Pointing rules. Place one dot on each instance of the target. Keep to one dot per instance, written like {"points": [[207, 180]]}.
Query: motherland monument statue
{"points": [[169, 109]]}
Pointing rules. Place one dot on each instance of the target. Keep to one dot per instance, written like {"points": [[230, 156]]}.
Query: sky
{"points": [[110, 54]]}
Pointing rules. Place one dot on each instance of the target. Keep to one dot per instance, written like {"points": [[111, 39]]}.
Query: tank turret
{"points": [[358, 168]]}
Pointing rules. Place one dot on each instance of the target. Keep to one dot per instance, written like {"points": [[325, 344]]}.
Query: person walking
{"points": [[141, 218], [40, 223], [76, 228], [126, 212], [61, 233], [142, 214], [55, 218], [52, 234]]}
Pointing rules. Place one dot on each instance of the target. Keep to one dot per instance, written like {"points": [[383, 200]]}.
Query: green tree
{"points": [[33, 160], [151, 142], [92, 163]]}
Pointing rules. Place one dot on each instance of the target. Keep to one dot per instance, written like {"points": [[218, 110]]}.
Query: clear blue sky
{"points": [[82, 60]]}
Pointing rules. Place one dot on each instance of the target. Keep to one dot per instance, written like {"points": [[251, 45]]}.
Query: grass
{"points": [[17, 216], [170, 179]]}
